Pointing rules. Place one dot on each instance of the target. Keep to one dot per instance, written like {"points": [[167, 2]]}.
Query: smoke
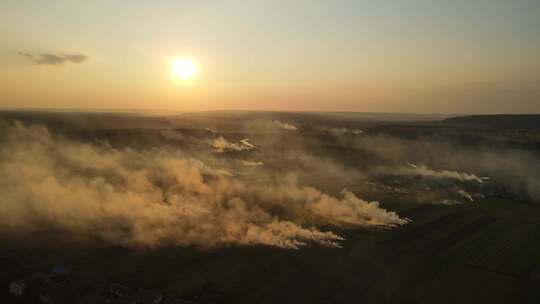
{"points": [[466, 195], [220, 144], [341, 131], [284, 125], [494, 164], [245, 143], [425, 171], [161, 197], [266, 126], [451, 202], [251, 163]]}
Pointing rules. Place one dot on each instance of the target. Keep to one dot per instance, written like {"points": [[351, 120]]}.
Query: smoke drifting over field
{"points": [[423, 170], [284, 125], [212, 183], [252, 163], [161, 197], [514, 169], [221, 145]]}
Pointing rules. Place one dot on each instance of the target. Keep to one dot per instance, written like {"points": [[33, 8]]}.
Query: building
{"points": [[29, 285]]}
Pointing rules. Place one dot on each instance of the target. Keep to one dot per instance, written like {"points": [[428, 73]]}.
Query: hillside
{"points": [[529, 121]]}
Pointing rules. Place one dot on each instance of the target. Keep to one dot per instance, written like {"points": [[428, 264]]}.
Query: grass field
{"points": [[470, 253], [474, 252]]}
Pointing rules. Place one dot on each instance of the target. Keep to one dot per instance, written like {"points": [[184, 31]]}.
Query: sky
{"points": [[421, 56]]}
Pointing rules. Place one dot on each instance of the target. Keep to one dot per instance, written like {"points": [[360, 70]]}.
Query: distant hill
{"points": [[526, 121]]}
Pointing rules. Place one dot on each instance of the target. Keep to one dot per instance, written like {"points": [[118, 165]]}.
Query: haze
{"points": [[402, 56]]}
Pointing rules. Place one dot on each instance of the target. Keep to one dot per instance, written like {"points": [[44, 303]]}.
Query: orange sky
{"points": [[410, 56]]}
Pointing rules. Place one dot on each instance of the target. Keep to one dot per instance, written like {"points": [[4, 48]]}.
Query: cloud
{"points": [[54, 59], [157, 197]]}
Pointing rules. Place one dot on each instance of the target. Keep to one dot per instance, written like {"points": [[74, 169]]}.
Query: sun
{"points": [[184, 68]]}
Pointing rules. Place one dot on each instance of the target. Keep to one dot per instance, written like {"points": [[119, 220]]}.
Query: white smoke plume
{"points": [[341, 131], [466, 195], [423, 170], [220, 144], [155, 198], [252, 163], [451, 202], [284, 125], [517, 169], [245, 143]]}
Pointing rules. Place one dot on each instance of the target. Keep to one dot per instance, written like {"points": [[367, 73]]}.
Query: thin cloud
{"points": [[54, 59]]}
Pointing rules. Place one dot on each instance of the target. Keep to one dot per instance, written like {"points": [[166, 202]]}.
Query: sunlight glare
{"points": [[184, 68]]}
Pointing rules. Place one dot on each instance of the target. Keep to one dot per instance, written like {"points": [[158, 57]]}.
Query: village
{"points": [[59, 286]]}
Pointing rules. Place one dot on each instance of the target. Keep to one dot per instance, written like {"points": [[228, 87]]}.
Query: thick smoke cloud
{"points": [[156, 197]]}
